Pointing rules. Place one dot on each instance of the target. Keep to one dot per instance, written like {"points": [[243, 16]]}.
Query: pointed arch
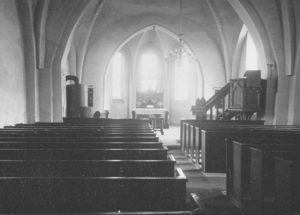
{"points": [[159, 30], [141, 32], [160, 40], [253, 21]]}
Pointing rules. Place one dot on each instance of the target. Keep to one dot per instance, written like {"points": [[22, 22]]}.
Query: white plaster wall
{"points": [[12, 85], [277, 28], [119, 19], [212, 32]]}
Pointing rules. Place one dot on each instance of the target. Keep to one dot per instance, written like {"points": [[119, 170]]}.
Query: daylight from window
{"points": [[149, 74], [182, 79], [117, 66], [251, 54]]}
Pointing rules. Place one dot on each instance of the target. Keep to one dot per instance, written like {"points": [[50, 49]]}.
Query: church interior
{"points": [[150, 107]]}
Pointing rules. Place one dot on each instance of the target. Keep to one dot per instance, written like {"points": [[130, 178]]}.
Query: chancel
{"points": [[149, 107]]}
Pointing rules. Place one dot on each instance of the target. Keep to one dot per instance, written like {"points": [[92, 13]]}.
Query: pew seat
{"points": [[74, 134], [87, 168], [84, 144], [83, 154], [92, 194], [82, 139]]}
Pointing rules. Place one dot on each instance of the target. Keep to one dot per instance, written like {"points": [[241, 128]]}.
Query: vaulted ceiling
{"points": [[91, 31]]}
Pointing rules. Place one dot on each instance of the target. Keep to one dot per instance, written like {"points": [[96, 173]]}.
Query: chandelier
{"points": [[179, 52]]}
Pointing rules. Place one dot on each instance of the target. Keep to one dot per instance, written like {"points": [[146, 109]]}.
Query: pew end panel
{"points": [[213, 151], [263, 176], [238, 180], [287, 184], [92, 194]]}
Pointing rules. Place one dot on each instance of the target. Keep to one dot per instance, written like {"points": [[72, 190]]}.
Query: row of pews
{"points": [[261, 162], [88, 166]]}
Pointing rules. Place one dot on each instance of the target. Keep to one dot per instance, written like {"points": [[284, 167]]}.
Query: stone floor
{"points": [[207, 189]]}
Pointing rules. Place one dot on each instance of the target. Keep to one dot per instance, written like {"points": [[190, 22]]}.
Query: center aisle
{"points": [[208, 189]]}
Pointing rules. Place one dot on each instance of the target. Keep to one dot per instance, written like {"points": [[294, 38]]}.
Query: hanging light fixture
{"points": [[180, 52]]}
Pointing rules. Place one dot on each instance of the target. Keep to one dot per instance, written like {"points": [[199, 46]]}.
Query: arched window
{"points": [[149, 74], [251, 54], [182, 79], [117, 68]]}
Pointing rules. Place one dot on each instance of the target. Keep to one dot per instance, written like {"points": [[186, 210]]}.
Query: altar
{"points": [[152, 113]]}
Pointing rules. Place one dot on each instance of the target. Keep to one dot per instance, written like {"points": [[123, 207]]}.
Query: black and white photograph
{"points": [[149, 107]]}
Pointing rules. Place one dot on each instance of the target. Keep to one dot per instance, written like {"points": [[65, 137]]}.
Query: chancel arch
{"points": [[153, 78]]}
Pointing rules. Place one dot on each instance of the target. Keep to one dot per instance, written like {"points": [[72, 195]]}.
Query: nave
{"points": [[91, 166], [225, 71]]}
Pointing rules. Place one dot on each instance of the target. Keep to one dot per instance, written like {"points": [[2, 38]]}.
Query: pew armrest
{"points": [[180, 174], [171, 158]]}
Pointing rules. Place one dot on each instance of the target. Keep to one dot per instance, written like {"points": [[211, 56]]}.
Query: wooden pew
{"points": [[182, 129], [92, 194], [191, 133], [103, 121], [80, 128], [238, 174], [287, 184], [201, 123], [74, 134], [84, 126], [263, 173], [77, 130], [81, 186], [82, 139], [62, 125], [83, 154], [101, 126], [87, 168], [214, 148], [93, 145]]}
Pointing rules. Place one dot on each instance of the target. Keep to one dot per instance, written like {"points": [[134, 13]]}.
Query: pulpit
{"points": [[246, 95]]}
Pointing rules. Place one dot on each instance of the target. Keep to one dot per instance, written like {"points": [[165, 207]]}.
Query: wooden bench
{"points": [[185, 130], [92, 194], [77, 130], [75, 134], [87, 168], [103, 121], [25, 144], [214, 148], [52, 169], [263, 174], [100, 126], [83, 154], [191, 133], [238, 173], [82, 139], [287, 184]]}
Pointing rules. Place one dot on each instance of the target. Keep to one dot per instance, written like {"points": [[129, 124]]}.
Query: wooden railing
{"points": [[218, 103]]}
